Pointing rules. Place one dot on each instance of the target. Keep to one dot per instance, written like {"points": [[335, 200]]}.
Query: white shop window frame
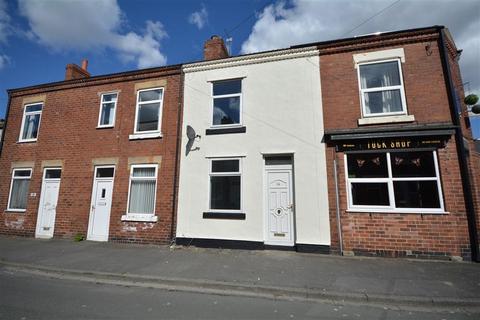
{"points": [[30, 113], [11, 187], [240, 95], [99, 125], [138, 216], [391, 196], [381, 89], [149, 133], [225, 174]]}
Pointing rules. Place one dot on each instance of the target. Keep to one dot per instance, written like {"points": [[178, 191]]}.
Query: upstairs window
{"points": [[108, 106], [32, 115], [381, 88], [17, 200], [394, 181], [148, 113], [225, 185], [227, 103]]}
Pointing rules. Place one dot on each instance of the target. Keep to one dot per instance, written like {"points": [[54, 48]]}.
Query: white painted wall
{"points": [[282, 112]]}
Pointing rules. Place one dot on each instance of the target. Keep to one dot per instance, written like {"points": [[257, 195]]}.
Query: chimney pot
{"points": [[84, 64]]}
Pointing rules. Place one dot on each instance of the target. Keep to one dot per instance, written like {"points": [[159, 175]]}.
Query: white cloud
{"points": [[92, 25], [4, 22], [5, 31], [4, 60], [301, 21], [199, 18]]}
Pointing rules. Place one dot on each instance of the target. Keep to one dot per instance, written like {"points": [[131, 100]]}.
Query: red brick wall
{"points": [[387, 234], [68, 132]]}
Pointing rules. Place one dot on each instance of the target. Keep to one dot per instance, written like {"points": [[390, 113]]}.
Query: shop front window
{"points": [[394, 181]]}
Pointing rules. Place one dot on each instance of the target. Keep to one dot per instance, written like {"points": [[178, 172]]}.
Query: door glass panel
{"points": [[103, 193], [105, 172], [53, 174]]}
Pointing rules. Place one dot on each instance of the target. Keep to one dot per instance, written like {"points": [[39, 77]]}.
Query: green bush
{"points": [[471, 99]]}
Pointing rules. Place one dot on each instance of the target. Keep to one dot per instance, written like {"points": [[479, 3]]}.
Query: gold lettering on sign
{"points": [[395, 144]]}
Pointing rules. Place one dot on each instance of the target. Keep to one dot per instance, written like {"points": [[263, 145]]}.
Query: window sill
{"points": [[212, 131], [150, 135], [15, 211], [224, 215], [105, 127], [417, 212], [27, 141], [386, 119], [139, 218]]}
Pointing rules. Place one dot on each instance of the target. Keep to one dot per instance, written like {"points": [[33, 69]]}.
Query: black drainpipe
{"points": [[461, 152], [5, 122], [177, 156]]}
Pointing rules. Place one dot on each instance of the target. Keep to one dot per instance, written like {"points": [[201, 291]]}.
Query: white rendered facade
{"points": [[281, 112]]}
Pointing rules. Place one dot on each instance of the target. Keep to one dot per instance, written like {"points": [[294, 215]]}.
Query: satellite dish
{"points": [[191, 135]]}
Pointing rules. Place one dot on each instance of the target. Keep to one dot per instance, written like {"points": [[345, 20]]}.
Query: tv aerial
{"points": [[192, 136]]}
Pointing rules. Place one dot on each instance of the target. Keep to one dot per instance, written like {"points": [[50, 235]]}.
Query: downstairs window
{"points": [[406, 181]]}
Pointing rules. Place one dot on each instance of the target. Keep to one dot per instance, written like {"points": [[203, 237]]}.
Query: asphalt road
{"points": [[25, 296]]}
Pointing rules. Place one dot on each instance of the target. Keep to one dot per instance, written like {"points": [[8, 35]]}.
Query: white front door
{"points": [[279, 205], [99, 220], [47, 208]]}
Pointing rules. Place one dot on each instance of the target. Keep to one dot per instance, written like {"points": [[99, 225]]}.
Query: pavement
{"points": [[279, 275]]}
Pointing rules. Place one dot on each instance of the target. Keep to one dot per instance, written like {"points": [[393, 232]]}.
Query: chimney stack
{"points": [[84, 64], [73, 71], [214, 48]]}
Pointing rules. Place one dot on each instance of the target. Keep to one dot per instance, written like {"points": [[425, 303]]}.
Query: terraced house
{"points": [[92, 156], [357, 146]]}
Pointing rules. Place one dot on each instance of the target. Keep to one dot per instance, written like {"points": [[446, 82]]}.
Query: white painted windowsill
{"points": [[140, 217], [386, 211], [150, 135], [386, 119]]}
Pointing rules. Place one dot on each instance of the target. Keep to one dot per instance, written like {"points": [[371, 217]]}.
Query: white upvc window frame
{"points": [[240, 95], [225, 174], [30, 113], [11, 187], [149, 133], [142, 216], [389, 181], [400, 87], [99, 125]]}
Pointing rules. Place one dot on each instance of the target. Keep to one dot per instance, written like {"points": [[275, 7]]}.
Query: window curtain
{"points": [[31, 126], [142, 196], [377, 76], [142, 192], [19, 195]]}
